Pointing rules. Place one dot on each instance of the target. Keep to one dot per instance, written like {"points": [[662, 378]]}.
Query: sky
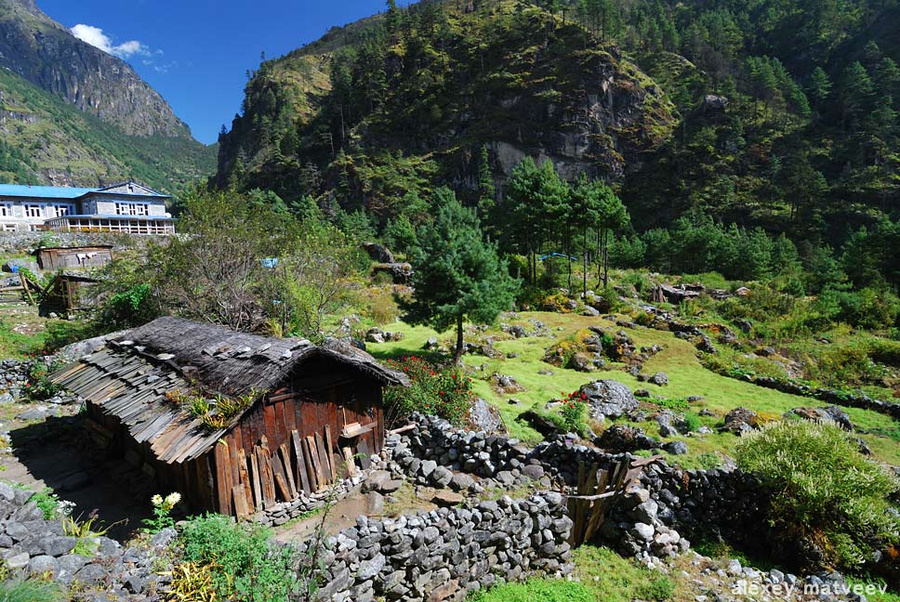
{"points": [[196, 53]]}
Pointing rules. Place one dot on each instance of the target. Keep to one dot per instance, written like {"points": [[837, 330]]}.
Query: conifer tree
{"points": [[456, 273]]}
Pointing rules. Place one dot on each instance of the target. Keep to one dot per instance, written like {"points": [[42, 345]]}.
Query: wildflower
{"points": [[173, 498]]}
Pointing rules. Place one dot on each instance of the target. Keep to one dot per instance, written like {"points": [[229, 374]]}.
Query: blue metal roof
{"points": [[43, 192]]}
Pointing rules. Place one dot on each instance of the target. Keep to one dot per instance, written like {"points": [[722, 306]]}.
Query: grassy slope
{"points": [[686, 377]]}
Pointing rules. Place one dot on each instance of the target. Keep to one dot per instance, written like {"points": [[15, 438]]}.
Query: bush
{"points": [[573, 412], [39, 386], [440, 391], [239, 560], [132, 307], [824, 490]]}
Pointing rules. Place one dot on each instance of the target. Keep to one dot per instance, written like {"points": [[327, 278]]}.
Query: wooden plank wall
{"points": [[291, 442]]}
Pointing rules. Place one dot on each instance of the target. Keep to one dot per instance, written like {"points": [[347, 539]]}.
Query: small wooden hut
{"points": [[235, 422], [64, 258]]}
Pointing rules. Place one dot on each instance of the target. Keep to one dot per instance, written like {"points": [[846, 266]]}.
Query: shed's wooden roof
{"points": [[129, 378]]}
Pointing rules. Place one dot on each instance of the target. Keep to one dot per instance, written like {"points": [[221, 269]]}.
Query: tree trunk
{"points": [[459, 341], [584, 265]]}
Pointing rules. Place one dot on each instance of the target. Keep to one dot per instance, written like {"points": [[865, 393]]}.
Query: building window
{"points": [[131, 209], [7, 227], [5, 210], [62, 210], [33, 211]]}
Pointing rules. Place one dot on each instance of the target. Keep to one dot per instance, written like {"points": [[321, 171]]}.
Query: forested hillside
{"points": [[769, 113]]}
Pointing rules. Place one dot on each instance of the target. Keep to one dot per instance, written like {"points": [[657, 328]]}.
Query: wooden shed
{"points": [[307, 413], [64, 258]]}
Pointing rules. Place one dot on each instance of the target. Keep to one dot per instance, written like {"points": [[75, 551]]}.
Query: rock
{"points": [[441, 476], [486, 417], [91, 574], [608, 398], [18, 561], [369, 568], [374, 503], [163, 538], [38, 413], [623, 438], [6, 398], [378, 252], [427, 468], [590, 312], [43, 564], [447, 499], [645, 512], [676, 448], [740, 420], [533, 471], [660, 378], [58, 546], [643, 531], [461, 481], [376, 480]]}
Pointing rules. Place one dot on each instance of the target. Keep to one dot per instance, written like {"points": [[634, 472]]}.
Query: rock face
{"points": [[608, 398], [602, 114], [45, 53]]}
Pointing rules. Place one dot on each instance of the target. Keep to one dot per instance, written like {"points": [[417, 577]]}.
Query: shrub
{"points": [[692, 421], [823, 488], [132, 307], [239, 560], [573, 412], [39, 386], [441, 391]]}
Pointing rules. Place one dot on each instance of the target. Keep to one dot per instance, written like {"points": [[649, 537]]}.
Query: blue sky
{"points": [[196, 52]]}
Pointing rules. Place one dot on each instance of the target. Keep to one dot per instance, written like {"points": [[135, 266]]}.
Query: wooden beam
{"points": [[245, 479], [223, 474], [302, 475], [240, 502], [288, 471], [349, 461], [257, 490], [316, 462], [329, 452], [324, 459]]}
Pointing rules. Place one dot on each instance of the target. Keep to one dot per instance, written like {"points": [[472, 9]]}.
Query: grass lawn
{"points": [[679, 360]]}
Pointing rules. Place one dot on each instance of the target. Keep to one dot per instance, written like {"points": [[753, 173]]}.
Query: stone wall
{"points": [[447, 553], [26, 242], [29, 543], [651, 520]]}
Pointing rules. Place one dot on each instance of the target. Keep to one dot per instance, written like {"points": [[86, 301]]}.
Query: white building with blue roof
{"points": [[128, 208]]}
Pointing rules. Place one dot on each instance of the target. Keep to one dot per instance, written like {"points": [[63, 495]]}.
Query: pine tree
{"points": [[457, 275], [819, 86]]}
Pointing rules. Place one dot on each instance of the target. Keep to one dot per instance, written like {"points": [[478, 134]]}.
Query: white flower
{"points": [[173, 498], [65, 507], [156, 500]]}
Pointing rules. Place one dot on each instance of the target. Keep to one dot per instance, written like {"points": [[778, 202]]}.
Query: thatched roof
{"points": [[129, 378]]}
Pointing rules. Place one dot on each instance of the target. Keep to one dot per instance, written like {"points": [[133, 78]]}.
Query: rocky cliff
{"points": [[425, 97], [45, 53]]}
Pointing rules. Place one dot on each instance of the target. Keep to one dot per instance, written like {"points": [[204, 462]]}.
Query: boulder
{"points": [[485, 417], [622, 438], [608, 398], [660, 378], [832, 413], [676, 448], [378, 252], [740, 420]]}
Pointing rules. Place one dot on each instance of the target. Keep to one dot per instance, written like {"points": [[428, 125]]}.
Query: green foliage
{"points": [[824, 489], [162, 509], [39, 386], [242, 564], [537, 590], [130, 308], [434, 390], [574, 412], [456, 273], [31, 589]]}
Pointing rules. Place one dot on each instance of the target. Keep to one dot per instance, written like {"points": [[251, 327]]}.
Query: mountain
{"points": [[70, 114], [380, 109], [772, 113], [45, 53]]}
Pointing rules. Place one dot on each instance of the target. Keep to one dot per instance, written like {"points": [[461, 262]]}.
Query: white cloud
{"points": [[96, 38]]}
